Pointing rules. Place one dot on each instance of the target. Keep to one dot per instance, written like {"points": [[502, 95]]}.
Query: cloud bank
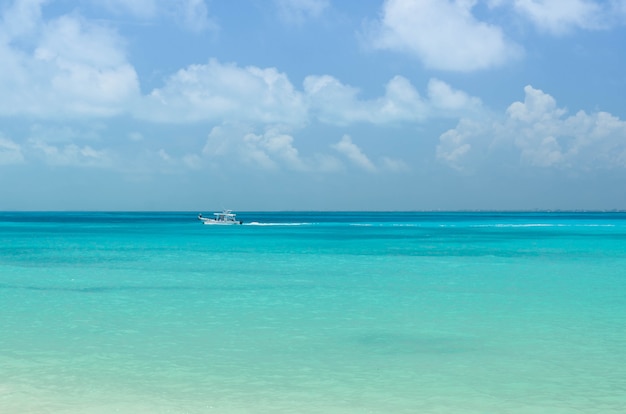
{"points": [[536, 132], [67, 67]]}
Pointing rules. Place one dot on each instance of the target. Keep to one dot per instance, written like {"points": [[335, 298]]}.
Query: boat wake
{"points": [[256, 223]]}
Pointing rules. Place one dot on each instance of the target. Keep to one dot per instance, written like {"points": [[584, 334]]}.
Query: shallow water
{"points": [[313, 313]]}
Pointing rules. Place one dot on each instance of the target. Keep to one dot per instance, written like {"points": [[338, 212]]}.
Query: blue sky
{"points": [[312, 104]]}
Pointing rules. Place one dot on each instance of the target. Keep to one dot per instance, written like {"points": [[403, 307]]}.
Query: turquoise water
{"points": [[313, 313]]}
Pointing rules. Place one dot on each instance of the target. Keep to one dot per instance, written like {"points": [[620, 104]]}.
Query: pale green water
{"points": [[313, 313]]}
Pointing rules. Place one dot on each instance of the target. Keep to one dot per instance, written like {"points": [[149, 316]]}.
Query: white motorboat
{"points": [[226, 217]]}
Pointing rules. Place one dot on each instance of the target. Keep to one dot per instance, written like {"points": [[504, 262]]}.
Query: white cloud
{"points": [[332, 102], [444, 34], [21, 18], [297, 11], [271, 149], [218, 91], [255, 153], [560, 16], [222, 139], [73, 68], [447, 100], [59, 145], [541, 134], [10, 152], [395, 165], [142, 9], [354, 153], [273, 145], [336, 103], [275, 149], [71, 155], [401, 102], [192, 15], [537, 106], [455, 144]]}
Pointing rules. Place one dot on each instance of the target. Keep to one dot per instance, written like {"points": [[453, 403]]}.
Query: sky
{"points": [[200, 105]]}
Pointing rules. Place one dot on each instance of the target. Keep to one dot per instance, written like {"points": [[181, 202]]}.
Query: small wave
{"points": [[532, 225], [542, 225], [256, 223], [386, 224], [594, 225]]}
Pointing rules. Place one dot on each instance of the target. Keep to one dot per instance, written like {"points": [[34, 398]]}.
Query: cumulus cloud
{"points": [[227, 92], [333, 102], [216, 91], [271, 145], [336, 103], [357, 157], [448, 35], [443, 34], [541, 134], [68, 66], [275, 149], [271, 149], [354, 153], [455, 144], [74, 67], [447, 101], [222, 139]]}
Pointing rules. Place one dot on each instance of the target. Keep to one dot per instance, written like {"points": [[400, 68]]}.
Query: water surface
{"points": [[313, 313]]}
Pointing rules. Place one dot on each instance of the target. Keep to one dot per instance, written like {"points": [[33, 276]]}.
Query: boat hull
{"points": [[225, 218], [211, 222]]}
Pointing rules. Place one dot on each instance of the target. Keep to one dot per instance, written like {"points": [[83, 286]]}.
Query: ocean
{"points": [[308, 312]]}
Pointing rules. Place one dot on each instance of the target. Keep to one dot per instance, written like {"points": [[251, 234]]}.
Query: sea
{"points": [[313, 312]]}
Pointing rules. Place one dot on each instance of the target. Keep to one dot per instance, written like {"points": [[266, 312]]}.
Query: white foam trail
{"points": [[543, 225], [256, 223]]}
